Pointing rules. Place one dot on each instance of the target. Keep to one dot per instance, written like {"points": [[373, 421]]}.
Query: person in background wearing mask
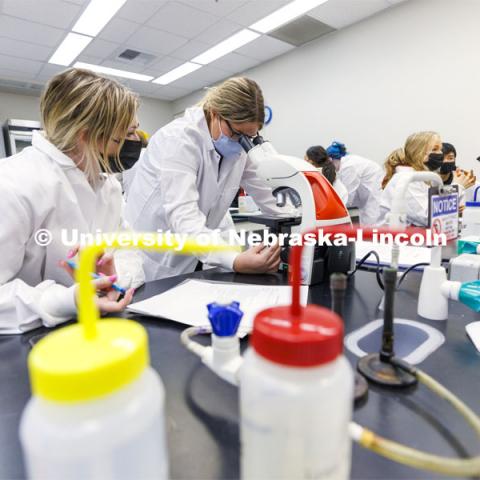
{"points": [[57, 185], [362, 178], [190, 173], [449, 163], [422, 152], [318, 157], [133, 147], [449, 172]]}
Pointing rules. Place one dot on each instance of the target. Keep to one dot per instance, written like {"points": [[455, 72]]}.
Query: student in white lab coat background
{"points": [[57, 184], [362, 178], [319, 158], [422, 152], [190, 173]]}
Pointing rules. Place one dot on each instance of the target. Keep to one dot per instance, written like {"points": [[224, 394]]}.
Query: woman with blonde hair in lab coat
{"points": [[190, 173], [57, 187], [422, 152]]}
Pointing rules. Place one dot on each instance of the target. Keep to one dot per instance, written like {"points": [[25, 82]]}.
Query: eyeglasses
{"points": [[236, 135]]}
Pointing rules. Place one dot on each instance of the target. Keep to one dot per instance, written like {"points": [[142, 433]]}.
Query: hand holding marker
{"points": [[106, 262], [117, 288]]}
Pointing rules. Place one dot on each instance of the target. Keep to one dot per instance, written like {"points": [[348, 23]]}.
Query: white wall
{"points": [[23, 107], [413, 67], [152, 114]]}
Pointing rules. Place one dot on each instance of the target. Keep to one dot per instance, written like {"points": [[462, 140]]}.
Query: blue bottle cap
{"points": [[225, 319]]}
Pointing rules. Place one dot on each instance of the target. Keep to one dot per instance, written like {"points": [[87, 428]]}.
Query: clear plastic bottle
{"points": [[296, 397], [471, 219], [97, 410]]}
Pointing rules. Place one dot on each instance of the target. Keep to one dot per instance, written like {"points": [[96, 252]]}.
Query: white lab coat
{"points": [[178, 187], [128, 175], [416, 199], [341, 190], [41, 188], [363, 180]]}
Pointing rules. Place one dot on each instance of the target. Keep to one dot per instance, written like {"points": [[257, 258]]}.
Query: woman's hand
{"points": [[107, 299], [259, 259], [464, 178], [105, 264]]}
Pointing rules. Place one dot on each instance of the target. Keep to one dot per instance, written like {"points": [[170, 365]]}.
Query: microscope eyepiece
{"points": [[246, 143]]}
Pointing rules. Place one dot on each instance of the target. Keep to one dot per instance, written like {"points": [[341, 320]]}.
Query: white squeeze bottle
{"points": [[296, 397], [97, 410], [471, 217]]}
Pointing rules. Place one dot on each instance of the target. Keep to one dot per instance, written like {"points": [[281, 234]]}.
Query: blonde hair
{"points": [[237, 100], [412, 155], [396, 158], [77, 102]]}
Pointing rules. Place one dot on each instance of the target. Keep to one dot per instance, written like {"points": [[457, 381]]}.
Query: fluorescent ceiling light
{"points": [[69, 49], [285, 14], [96, 16], [113, 71], [229, 45], [177, 73]]}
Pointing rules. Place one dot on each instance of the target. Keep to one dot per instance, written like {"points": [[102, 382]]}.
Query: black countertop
{"points": [[202, 410]]}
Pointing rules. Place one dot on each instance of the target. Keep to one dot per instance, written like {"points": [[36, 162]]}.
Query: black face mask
{"points": [[129, 155], [448, 167], [435, 161]]}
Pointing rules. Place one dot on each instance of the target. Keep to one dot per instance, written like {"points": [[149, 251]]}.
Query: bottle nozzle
{"points": [[225, 319]]}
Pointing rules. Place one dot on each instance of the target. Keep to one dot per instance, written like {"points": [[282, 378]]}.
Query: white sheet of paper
{"points": [[187, 302], [409, 255]]}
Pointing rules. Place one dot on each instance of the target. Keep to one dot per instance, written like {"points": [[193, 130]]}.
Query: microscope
{"points": [[295, 180]]}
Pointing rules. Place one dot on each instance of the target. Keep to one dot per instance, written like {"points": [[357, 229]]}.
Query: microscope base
{"points": [[382, 373]]}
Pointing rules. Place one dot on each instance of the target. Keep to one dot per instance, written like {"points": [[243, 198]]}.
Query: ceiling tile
{"points": [[203, 77], [164, 65], [190, 50], [118, 30], [55, 13], [21, 49], [234, 63], [77, 2], [181, 20], [142, 88], [218, 32], [19, 29], [255, 10], [265, 48], [100, 48], [6, 73], [89, 59], [150, 40], [167, 92], [218, 8], [139, 11], [48, 71], [128, 66], [20, 64], [342, 13]]}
